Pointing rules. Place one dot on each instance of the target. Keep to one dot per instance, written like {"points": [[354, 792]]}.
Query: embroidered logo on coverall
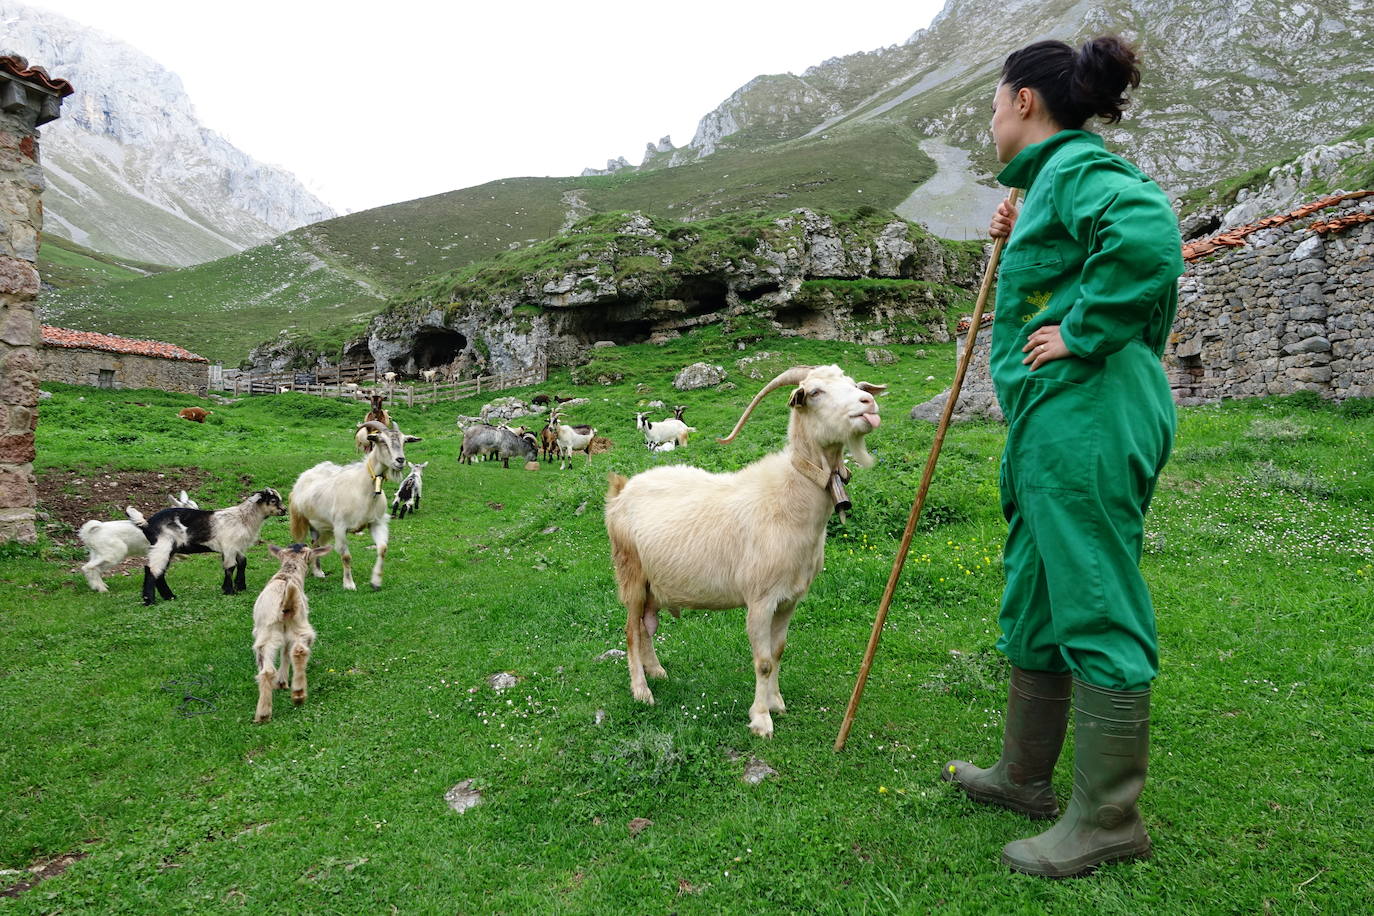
{"points": [[1041, 300]]}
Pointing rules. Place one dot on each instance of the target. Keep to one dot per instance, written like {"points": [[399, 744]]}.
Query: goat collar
{"points": [[831, 480]]}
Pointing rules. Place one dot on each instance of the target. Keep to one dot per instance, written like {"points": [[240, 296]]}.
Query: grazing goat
{"points": [[194, 414], [548, 438], [228, 532], [497, 442], [110, 542], [330, 501], [573, 439], [407, 498], [685, 538], [655, 434], [282, 633]]}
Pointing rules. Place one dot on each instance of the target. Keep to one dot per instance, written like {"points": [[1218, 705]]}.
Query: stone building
{"points": [[106, 361], [1279, 307], [28, 98]]}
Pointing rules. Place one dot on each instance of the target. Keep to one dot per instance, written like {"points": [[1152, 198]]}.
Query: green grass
{"points": [[63, 264], [1261, 551]]}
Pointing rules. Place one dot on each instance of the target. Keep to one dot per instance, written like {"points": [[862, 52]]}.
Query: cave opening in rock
{"points": [[702, 295], [437, 347]]}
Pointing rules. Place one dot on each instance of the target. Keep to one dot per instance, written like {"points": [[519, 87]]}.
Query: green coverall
{"points": [[1095, 250]]}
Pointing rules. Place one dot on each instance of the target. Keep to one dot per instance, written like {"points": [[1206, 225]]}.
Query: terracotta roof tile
{"points": [[89, 340], [1233, 238], [17, 66]]}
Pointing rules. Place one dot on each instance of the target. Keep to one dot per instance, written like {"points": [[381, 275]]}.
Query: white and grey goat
{"points": [[282, 634], [571, 439], [407, 498], [682, 537], [662, 432], [228, 532], [329, 501], [111, 542]]}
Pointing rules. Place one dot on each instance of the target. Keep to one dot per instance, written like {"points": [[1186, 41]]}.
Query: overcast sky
{"points": [[388, 100]]}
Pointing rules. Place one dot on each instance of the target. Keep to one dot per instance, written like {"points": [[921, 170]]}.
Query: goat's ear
{"points": [[274, 550], [373, 437], [798, 398], [871, 388], [320, 551], [412, 439]]}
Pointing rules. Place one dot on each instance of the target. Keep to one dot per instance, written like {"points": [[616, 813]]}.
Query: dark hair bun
{"points": [[1103, 69]]}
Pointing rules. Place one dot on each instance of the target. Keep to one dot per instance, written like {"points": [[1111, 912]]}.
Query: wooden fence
{"points": [[409, 394]]}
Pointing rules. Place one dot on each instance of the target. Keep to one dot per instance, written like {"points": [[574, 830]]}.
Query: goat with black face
{"points": [[228, 532]]}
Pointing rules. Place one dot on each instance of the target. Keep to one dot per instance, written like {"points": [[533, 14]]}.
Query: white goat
{"points": [[685, 538], [329, 501], [111, 542], [390, 378], [282, 633], [574, 439], [656, 434], [407, 498], [228, 532], [429, 375]]}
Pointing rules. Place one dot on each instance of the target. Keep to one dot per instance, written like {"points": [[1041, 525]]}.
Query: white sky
{"points": [[376, 100]]}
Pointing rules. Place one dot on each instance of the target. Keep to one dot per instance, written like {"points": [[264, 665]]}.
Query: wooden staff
{"points": [[900, 560]]}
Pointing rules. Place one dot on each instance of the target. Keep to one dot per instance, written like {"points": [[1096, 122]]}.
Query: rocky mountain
{"points": [[1229, 85], [130, 169]]}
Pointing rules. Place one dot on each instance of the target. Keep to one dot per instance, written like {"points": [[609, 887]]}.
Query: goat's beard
{"points": [[858, 450]]}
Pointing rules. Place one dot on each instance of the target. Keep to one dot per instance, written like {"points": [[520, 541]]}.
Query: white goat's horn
{"points": [[790, 377], [374, 424]]}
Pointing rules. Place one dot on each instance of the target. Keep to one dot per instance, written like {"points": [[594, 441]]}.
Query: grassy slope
{"points": [[1260, 556], [63, 263], [333, 275]]}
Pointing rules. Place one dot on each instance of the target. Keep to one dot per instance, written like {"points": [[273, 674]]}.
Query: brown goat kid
{"points": [[282, 633], [194, 414]]}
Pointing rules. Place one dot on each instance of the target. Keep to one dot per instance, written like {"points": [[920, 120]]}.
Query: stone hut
{"points": [[106, 361], [28, 98], [1280, 306]]}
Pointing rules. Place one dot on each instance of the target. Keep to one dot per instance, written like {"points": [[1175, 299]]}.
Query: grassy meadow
{"points": [[1260, 554]]}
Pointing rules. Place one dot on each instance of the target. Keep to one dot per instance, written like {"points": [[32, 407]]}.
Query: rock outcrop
{"points": [[628, 278]]}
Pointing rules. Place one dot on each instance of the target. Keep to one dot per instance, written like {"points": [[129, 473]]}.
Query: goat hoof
{"points": [[258, 720], [762, 727], [376, 586], [644, 695], [656, 672], [298, 700]]}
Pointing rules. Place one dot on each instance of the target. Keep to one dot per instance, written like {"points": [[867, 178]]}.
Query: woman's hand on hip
{"points": [[1003, 219], [1043, 345]]}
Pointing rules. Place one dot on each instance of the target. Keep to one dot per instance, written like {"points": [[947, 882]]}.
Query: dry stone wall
{"points": [[1290, 310], [21, 216]]}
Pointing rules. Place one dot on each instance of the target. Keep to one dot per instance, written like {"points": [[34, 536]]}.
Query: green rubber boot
{"points": [[1111, 749], [1037, 715]]}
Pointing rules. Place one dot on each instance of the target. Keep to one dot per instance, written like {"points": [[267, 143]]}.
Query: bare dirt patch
{"points": [[40, 871], [71, 498]]}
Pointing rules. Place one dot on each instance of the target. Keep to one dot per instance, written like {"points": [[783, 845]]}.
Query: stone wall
{"points": [[21, 216], [1289, 310], [83, 367]]}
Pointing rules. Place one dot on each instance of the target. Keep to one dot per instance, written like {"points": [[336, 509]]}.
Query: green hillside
{"points": [[64, 264], [326, 280]]}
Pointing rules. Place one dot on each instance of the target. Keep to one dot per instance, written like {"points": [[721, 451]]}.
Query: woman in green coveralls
{"points": [[1086, 295]]}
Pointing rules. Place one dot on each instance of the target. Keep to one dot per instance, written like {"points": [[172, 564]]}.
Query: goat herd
{"points": [[680, 537]]}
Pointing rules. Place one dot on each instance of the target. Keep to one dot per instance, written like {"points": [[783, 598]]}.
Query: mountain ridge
{"points": [[130, 169]]}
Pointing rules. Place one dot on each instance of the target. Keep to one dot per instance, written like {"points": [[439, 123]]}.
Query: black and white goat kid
{"points": [[228, 532], [407, 498]]}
